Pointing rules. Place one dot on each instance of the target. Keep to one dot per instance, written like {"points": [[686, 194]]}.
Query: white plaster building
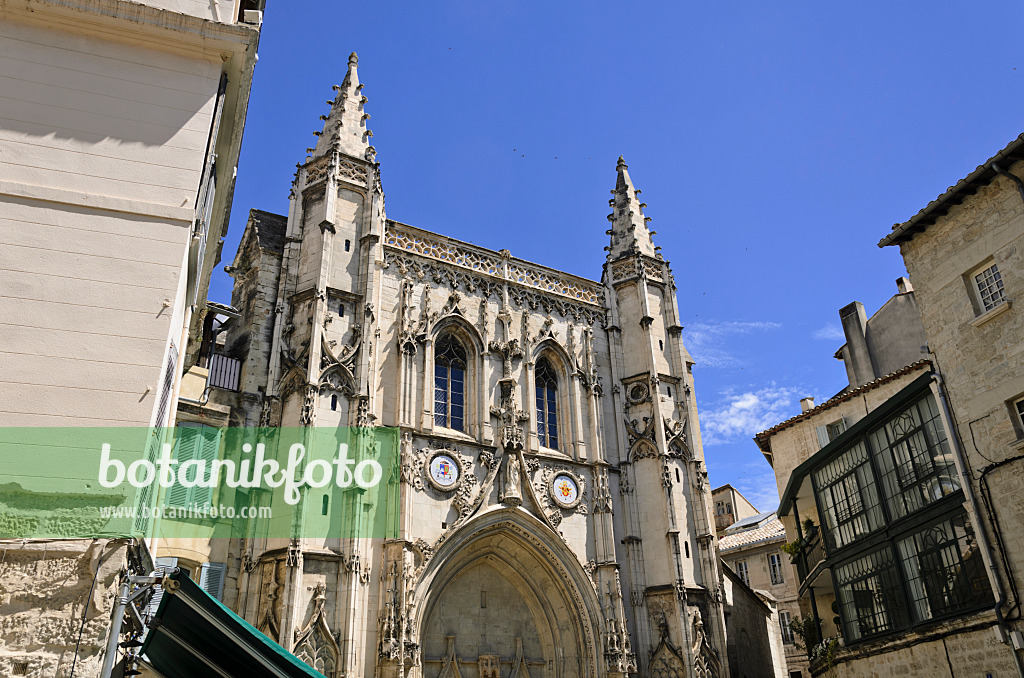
{"points": [[120, 127], [576, 538]]}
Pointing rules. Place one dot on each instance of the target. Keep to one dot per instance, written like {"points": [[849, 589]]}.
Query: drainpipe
{"points": [[972, 507]]}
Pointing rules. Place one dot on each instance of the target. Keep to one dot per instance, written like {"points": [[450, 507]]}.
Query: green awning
{"points": [[193, 635]]}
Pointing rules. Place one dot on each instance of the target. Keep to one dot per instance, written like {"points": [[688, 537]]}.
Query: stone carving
{"points": [[602, 491], [705, 658], [411, 331], [314, 642], [351, 172], [268, 622], [666, 660], [337, 370], [450, 663], [466, 256], [638, 392], [618, 653], [355, 567], [675, 439], [265, 413], [389, 647], [451, 307], [520, 665], [510, 493], [489, 666], [308, 415], [442, 275], [512, 437], [317, 170], [509, 351]]}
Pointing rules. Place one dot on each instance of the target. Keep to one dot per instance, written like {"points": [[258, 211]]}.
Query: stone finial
{"points": [[629, 232], [344, 127]]}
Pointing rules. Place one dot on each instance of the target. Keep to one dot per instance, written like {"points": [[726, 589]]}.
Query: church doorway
{"points": [[506, 607]]}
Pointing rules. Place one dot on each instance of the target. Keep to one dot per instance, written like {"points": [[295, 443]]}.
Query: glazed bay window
{"points": [[899, 544], [914, 459], [870, 595], [943, 568], [848, 497]]}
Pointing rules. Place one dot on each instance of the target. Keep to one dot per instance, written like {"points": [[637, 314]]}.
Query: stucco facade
{"points": [[111, 213]]}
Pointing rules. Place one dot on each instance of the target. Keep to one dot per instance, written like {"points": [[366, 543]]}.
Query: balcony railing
{"points": [[811, 553], [224, 372]]}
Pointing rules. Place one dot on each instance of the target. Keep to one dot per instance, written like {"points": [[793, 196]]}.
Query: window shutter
{"points": [[822, 436], [163, 565], [211, 578], [843, 425], [207, 446], [186, 442]]}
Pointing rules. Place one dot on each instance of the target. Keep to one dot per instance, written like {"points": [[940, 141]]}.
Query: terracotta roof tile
{"points": [[771, 530]]}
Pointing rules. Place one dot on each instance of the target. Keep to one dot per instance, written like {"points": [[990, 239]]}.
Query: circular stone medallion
{"points": [[443, 471], [565, 491]]}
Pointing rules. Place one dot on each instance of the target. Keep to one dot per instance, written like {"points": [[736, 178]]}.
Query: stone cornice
{"points": [[126, 21], [495, 265]]}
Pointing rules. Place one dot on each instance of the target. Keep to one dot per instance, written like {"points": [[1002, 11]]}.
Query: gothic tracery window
{"points": [[547, 404], [450, 383]]}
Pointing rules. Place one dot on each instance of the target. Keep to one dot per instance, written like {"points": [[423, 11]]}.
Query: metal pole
{"points": [[115, 628]]}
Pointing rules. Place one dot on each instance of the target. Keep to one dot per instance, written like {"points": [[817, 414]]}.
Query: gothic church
{"points": [[555, 516]]}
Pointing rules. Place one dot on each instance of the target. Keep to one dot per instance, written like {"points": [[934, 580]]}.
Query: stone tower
{"points": [[670, 554], [554, 516]]}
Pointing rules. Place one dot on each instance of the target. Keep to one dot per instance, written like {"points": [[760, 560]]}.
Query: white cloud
{"points": [[830, 332], [760, 488], [707, 341], [741, 416]]}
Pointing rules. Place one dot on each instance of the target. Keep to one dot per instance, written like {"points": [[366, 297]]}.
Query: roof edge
{"points": [[927, 216]]}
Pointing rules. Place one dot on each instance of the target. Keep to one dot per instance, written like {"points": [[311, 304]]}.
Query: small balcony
{"points": [[224, 372], [811, 554]]}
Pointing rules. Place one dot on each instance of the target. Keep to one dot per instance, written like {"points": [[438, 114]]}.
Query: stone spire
{"points": [[345, 126], [629, 225]]}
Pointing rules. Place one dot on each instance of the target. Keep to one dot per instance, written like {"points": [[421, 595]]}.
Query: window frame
{"points": [[990, 294], [1017, 412], [446, 419], [546, 408], [785, 619], [743, 571], [775, 573]]}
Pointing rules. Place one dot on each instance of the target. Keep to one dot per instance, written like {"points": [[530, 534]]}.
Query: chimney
{"points": [[903, 284], [806, 403]]}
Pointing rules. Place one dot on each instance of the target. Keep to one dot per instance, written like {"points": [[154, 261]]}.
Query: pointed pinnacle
{"points": [[353, 59]]}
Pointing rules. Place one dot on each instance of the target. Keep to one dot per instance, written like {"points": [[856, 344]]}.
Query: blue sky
{"points": [[775, 144]]}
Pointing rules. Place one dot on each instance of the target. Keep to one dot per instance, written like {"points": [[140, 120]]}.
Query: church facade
{"points": [[555, 516]]}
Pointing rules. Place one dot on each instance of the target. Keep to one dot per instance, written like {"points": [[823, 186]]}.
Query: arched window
{"points": [[449, 383], [547, 404]]}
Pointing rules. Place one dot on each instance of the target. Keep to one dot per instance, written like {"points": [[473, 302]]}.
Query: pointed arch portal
{"points": [[504, 586]]}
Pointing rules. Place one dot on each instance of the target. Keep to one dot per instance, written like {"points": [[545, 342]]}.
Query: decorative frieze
{"points": [[451, 253]]}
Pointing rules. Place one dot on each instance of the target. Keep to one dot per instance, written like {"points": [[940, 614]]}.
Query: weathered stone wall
{"points": [[940, 653], [755, 642], [980, 355], [44, 598], [785, 593]]}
